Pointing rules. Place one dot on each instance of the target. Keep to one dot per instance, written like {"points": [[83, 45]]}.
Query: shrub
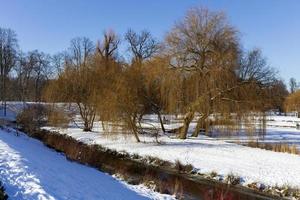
{"points": [[57, 118], [213, 174], [182, 167], [32, 117], [232, 179]]}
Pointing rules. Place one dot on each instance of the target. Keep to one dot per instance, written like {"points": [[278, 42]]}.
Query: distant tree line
{"points": [[200, 69]]}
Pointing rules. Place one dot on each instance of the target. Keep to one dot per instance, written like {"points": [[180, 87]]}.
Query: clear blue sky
{"points": [[48, 25]]}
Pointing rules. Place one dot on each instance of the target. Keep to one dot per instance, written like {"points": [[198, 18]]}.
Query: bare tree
{"points": [[32, 73], [8, 55], [42, 71], [79, 52], [23, 74], [293, 85], [58, 62], [254, 67], [142, 45], [77, 83], [108, 46]]}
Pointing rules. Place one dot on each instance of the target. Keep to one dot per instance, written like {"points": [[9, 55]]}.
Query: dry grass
{"points": [[182, 167], [277, 147]]}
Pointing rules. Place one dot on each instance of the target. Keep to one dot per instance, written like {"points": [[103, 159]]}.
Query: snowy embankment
{"points": [[207, 155], [29, 170]]}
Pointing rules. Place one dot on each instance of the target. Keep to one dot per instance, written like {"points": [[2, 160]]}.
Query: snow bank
{"points": [[29, 170], [207, 154]]}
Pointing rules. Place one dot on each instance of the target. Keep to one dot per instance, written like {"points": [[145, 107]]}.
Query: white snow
{"points": [[206, 154], [29, 170], [210, 154], [274, 135]]}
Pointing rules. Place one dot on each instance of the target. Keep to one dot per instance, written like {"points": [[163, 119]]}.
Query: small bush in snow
{"points": [[182, 167], [32, 117], [213, 174], [232, 179]]}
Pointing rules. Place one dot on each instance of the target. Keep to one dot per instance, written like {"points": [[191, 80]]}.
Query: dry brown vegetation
{"points": [[32, 117], [277, 147], [292, 102]]}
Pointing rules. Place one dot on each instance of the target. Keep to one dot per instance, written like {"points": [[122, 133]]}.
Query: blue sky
{"points": [[48, 25]]}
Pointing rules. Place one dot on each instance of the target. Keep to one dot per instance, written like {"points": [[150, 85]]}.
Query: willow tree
{"points": [[76, 84], [292, 102], [108, 69], [135, 99], [206, 49], [156, 86]]}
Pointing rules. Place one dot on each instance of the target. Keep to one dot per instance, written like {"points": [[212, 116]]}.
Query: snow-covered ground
{"points": [[207, 155], [283, 121], [211, 154], [29, 170], [274, 135]]}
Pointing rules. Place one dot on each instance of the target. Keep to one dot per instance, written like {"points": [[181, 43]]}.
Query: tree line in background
{"points": [[200, 69]]}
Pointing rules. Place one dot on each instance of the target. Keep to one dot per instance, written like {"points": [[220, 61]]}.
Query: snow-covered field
{"points": [[214, 154], [30, 171], [274, 135], [207, 155]]}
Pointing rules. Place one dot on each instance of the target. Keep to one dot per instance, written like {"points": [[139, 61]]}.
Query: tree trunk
{"points": [[186, 123], [140, 119], [201, 124], [103, 125], [161, 122], [136, 136], [4, 95], [87, 126], [134, 129], [5, 105], [264, 125]]}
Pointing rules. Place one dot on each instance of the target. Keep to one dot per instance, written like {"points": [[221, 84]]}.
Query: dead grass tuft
{"points": [[277, 147]]}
